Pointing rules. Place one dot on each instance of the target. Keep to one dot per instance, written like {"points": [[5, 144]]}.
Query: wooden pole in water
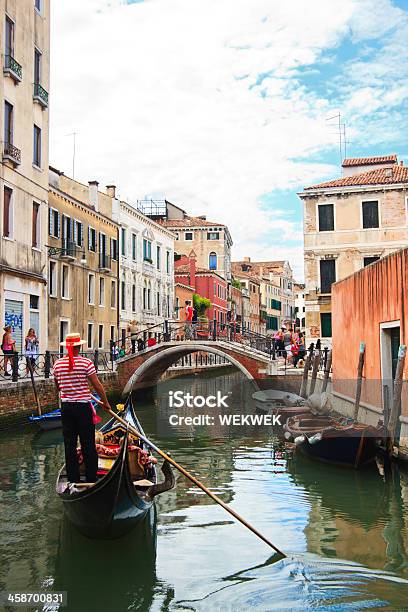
{"points": [[359, 380], [30, 367], [316, 362], [194, 480], [303, 388], [396, 400], [327, 371]]}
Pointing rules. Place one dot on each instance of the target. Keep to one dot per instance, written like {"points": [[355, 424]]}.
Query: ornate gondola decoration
{"points": [[124, 491]]}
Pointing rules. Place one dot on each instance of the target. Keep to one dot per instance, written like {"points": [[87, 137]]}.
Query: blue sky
{"points": [[222, 105]]}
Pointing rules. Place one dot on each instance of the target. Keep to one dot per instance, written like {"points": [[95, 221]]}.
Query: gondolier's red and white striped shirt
{"points": [[73, 384]]}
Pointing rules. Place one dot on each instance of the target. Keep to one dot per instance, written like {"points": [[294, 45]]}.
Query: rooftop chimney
{"points": [[111, 191], [247, 259], [388, 172], [203, 217], [401, 163], [93, 194]]}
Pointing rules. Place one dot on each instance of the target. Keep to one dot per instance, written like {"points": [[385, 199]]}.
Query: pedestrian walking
{"points": [[73, 376], [31, 349], [8, 346], [188, 326], [132, 329]]}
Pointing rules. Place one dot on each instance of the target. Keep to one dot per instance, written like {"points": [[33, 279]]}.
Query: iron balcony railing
{"points": [[68, 249], [40, 95], [105, 261], [13, 68], [11, 153]]}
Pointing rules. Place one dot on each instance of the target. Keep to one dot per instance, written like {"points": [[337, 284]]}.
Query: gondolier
{"points": [[73, 374]]}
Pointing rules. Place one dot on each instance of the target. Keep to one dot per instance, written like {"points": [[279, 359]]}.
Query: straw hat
{"points": [[72, 340]]}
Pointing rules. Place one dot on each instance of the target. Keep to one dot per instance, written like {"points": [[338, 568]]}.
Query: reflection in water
{"points": [[345, 532]]}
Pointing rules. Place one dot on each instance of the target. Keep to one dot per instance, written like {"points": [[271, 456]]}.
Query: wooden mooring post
{"points": [[303, 388], [327, 371], [396, 399], [316, 363], [360, 368]]}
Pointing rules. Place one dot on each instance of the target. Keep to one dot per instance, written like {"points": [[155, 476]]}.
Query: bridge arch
{"points": [[152, 368]]}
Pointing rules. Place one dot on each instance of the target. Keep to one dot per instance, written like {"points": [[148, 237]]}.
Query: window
{"points": [[213, 236], [92, 239], [188, 236], [65, 282], [133, 298], [78, 233], [123, 295], [370, 260], [37, 4], [9, 43], [90, 335], [168, 262], [100, 336], [35, 232], [370, 214], [52, 279], [213, 261], [134, 247], [147, 250], [37, 147], [101, 291], [8, 123], [113, 294], [144, 298], [37, 66], [7, 212], [158, 302], [327, 274], [53, 222], [123, 241], [326, 217], [158, 258], [326, 324], [112, 333], [91, 289], [114, 249]]}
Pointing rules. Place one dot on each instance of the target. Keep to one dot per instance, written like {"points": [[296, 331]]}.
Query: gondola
{"points": [[51, 420], [335, 440], [125, 490]]}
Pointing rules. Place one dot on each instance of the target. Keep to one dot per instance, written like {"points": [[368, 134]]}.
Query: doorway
{"points": [[390, 339]]}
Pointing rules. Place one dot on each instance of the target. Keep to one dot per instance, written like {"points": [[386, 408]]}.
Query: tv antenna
{"points": [[341, 132], [73, 134]]}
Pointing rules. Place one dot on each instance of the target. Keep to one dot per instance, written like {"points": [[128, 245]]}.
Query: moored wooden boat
{"points": [[277, 402], [124, 491], [334, 440], [50, 420]]}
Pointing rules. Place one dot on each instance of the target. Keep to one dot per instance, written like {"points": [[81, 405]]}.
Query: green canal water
{"points": [[345, 532]]}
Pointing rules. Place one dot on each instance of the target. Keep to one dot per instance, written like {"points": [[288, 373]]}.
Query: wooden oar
{"points": [[30, 367], [193, 479]]}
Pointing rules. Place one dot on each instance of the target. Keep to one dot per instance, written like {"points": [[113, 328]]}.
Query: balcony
{"points": [[105, 262], [68, 251], [40, 95], [11, 153], [13, 68]]}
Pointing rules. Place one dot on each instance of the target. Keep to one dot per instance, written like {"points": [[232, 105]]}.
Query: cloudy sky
{"points": [[222, 106]]}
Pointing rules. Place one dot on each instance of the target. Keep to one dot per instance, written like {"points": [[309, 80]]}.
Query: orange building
{"points": [[371, 306]]}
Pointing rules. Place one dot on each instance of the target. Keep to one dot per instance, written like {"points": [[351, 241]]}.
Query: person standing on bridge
{"points": [[188, 327], [73, 374]]}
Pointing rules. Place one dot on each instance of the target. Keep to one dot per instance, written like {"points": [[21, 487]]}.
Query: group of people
{"points": [[8, 346], [290, 344]]}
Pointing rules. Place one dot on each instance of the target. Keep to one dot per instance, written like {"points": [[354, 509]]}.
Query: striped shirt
{"points": [[73, 384]]}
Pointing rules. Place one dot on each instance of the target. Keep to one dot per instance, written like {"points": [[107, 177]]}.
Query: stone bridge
{"points": [[144, 368]]}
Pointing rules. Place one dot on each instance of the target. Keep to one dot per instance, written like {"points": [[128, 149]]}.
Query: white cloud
{"points": [[165, 98]]}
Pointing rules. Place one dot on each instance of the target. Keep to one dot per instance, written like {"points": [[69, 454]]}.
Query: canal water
{"points": [[345, 533]]}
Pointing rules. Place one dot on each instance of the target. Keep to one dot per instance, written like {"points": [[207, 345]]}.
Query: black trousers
{"points": [[77, 420]]}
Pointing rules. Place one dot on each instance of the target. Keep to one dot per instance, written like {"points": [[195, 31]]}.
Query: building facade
{"points": [[371, 306], [350, 223], [146, 268], [25, 44], [210, 240], [300, 309], [83, 264]]}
